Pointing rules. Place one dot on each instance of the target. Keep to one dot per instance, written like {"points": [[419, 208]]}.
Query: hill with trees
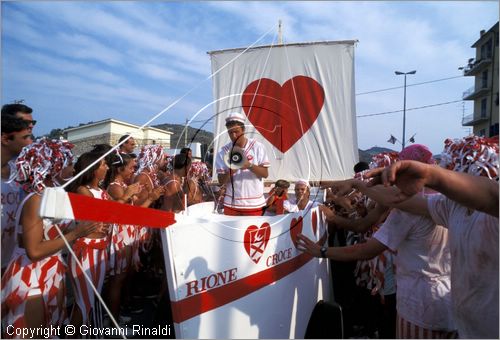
{"points": [[206, 137]]}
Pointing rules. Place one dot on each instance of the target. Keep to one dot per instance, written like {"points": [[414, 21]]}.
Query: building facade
{"points": [[109, 131], [484, 93]]}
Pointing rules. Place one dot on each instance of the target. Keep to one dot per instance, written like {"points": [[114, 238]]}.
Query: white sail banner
{"points": [[242, 277], [299, 102]]}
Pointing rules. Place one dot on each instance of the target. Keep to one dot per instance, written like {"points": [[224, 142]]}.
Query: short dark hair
{"points": [[232, 123], [122, 138], [361, 166], [13, 109], [103, 148], [281, 183]]}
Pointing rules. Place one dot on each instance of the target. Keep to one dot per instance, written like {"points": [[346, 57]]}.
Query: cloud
{"points": [[131, 59]]}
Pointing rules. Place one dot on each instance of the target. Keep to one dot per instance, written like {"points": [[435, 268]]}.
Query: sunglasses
{"points": [[15, 124], [30, 122]]}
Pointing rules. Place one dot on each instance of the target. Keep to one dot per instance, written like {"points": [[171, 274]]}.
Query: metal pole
{"points": [[186, 135], [404, 115], [280, 34]]}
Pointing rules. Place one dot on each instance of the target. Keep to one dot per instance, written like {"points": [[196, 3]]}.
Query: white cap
{"points": [[235, 117], [302, 181]]}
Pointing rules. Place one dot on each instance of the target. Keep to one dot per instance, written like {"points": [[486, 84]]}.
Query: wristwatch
{"points": [[250, 166], [323, 251]]}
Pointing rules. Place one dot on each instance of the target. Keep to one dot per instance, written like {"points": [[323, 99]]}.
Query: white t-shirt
{"points": [[292, 207], [423, 267], [248, 188], [11, 197], [473, 239]]}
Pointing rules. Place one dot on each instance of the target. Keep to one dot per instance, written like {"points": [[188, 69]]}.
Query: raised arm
{"points": [[475, 192], [363, 224], [387, 196]]}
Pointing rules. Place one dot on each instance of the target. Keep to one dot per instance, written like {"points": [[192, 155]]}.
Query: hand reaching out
{"points": [[329, 213], [409, 176], [307, 245]]}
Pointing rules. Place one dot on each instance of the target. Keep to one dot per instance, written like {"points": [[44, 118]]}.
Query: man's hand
{"points": [[329, 213], [343, 188], [409, 176], [246, 164], [305, 244]]}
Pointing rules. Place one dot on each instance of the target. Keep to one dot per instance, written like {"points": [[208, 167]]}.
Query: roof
{"points": [[486, 34], [111, 120], [339, 42]]}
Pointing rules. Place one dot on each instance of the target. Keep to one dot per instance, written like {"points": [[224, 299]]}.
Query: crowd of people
{"points": [[442, 227], [106, 259], [416, 240]]}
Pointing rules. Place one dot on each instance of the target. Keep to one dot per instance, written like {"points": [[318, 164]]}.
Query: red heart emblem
{"points": [[314, 220], [295, 228], [256, 239], [278, 114]]}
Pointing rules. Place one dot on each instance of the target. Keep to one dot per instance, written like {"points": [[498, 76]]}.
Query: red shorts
{"points": [[243, 212]]}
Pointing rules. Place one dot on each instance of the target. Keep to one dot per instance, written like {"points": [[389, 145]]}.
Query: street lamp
{"points": [[398, 73]]}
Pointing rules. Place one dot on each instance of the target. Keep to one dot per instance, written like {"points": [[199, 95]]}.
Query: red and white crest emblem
{"points": [[256, 239]]}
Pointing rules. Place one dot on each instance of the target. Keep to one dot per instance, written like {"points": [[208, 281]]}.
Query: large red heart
{"points": [[295, 228], [278, 114], [256, 239]]}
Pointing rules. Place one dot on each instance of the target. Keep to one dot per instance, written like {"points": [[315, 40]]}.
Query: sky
{"points": [[75, 62]]}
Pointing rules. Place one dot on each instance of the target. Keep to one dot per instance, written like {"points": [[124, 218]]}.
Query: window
{"points": [[486, 49], [494, 130], [489, 44], [484, 104], [481, 132], [484, 79]]}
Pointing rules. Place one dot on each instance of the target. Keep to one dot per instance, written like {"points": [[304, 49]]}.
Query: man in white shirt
{"points": [[302, 201], [16, 134], [245, 186]]}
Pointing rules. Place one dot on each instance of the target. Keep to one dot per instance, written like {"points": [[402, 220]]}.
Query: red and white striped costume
{"points": [[408, 330], [45, 277], [150, 157], [121, 236], [92, 253], [144, 236], [128, 232]]}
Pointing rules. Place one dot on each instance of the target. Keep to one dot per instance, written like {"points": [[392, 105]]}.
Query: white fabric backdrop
{"points": [[290, 82]]}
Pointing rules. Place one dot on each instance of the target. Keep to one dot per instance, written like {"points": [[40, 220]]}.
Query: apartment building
{"points": [[484, 93], [110, 130]]}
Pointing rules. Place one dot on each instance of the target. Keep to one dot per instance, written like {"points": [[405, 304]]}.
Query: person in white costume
{"points": [[244, 187], [302, 201]]}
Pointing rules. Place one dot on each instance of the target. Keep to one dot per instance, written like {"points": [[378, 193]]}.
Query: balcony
{"points": [[476, 66], [472, 119], [476, 92]]}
